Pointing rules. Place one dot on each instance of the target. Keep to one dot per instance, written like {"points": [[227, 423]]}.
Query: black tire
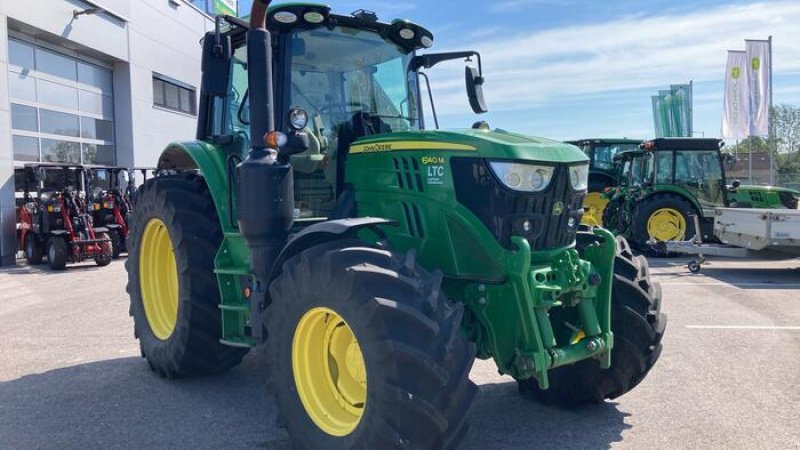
{"points": [[611, 217], [57, 253], [417, 361], [116, 243], [106, 256], [33, 250], [638, 327], [185, 206], [647, 207]]}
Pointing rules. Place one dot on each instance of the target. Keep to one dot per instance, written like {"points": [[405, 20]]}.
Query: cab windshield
{"points": [[350, 77], [603, 155]]}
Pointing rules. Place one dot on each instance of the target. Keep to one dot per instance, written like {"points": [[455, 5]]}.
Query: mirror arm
{"points": [[429, 60]]}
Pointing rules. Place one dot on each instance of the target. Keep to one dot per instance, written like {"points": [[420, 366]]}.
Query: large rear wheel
{"points": [[661, 218], [638, 326], [594, 204], [366, 352], [174, 236]]}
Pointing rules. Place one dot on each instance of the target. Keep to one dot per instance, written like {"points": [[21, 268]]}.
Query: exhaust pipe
{"points": [[265, 186]]}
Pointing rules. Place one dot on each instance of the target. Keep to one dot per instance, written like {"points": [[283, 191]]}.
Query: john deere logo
{"points": [[736, 73], [756, 63], [558, 208]]}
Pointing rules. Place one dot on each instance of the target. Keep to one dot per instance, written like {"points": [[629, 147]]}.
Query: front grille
{"points": [[503, 210]]}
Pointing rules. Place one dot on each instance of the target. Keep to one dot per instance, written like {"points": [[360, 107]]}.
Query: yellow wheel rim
{"points": [[593, 206], [329, 371], [158, 279], [666, 224]]}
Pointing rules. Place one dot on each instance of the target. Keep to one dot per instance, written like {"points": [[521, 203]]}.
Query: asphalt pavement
{"points": [[71, 375]]}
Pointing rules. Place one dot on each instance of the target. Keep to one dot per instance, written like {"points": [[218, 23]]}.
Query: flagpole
{"points": [[774, 154]]}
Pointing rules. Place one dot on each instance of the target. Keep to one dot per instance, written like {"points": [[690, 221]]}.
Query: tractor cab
{"points": [[692, 168], [337, 79]]}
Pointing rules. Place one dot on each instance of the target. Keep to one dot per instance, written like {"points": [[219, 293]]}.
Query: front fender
{"points": [[323, 232]]}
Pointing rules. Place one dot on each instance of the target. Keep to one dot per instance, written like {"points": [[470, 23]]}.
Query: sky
{"points": [[568, 69]]}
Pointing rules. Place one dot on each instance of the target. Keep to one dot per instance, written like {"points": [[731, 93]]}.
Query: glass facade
{"points": [[61, 107]]}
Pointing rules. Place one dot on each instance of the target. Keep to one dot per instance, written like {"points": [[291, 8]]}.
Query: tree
{"points": [[786, 128]]}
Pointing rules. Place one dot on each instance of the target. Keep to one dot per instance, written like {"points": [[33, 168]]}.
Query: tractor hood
{"points": [[495, 144]]}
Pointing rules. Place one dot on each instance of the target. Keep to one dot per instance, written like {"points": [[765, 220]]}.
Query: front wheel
{"points": [[57, 253], [104, 257], [116, 243], [33, 250], [366, 351]]}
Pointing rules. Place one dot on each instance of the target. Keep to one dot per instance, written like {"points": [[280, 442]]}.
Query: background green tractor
{"points": [[629, 170], [373, 257], [670, 180], [602, 173]]}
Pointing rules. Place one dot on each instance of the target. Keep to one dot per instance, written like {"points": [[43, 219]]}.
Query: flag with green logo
{"points": [[736, 103], [658, 119], [225, 7], [681, 111], [757, 67]]}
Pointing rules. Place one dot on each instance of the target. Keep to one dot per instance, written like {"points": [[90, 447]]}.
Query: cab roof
{"points": [[684, 144]]}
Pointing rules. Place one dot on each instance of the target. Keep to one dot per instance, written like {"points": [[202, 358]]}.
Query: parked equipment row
{"points": [[73, 213]]}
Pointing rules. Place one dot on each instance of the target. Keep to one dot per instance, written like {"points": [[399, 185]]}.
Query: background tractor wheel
{"points": [[638, 327], [33, 250], [594, 205], [174, 236], [366, 352], [116, 243], [106, 249], [661, 217], [57, 253]]}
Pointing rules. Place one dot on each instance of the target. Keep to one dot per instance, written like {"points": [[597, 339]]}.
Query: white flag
{"points": [[758, 66], [736, 110]]}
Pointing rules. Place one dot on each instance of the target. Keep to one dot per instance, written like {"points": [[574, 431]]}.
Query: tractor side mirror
{"points": [[475, 90], [216, 65], [728, 159]]}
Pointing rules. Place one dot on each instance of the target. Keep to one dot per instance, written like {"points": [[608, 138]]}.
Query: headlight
{"points": [[579, 176], [298, 118], [523, 177]]}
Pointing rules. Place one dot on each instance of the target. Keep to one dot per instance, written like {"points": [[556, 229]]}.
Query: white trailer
{"points": [[745, 232]]}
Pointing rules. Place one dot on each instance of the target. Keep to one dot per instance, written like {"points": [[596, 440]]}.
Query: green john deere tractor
{"points": [[667, 181], [602, 173], [628, 172], [373, 257]]}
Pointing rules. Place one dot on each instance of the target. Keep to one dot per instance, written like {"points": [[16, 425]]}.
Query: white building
{"points": [[94, 82]]}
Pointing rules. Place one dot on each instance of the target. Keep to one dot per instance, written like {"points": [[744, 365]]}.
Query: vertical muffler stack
{"points": [[265, 196]]}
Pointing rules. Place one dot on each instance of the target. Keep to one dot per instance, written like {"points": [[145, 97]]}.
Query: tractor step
{"points": [[235, 308], [233, 271], [239, 342]]}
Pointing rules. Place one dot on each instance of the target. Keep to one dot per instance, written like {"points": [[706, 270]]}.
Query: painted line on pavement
{"points": [[742, 327]]}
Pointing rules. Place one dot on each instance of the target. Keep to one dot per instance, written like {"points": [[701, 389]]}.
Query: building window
{"points": [[62, 107], [173, 95]]}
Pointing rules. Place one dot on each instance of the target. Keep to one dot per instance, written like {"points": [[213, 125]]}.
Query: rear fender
{"points": [[211, 162]]}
